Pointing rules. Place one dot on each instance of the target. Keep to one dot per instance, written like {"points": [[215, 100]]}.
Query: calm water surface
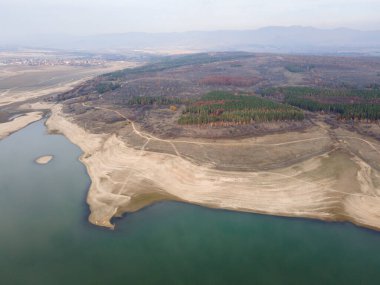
{"points": [[45, 237]]}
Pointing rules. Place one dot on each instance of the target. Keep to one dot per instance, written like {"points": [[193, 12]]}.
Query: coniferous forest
{"points": [[356, 104], [225, 107]]}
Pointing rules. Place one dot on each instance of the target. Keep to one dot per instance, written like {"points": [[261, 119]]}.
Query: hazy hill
{"points": [[270, 39]]}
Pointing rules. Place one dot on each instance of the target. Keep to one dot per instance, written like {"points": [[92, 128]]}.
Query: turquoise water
{"points": [[45, 237]]}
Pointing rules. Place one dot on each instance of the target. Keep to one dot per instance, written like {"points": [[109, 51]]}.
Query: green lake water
{"points": [[45, 237]]}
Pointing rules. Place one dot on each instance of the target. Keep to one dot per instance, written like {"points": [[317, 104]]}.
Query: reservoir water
{"points": [[45, 237]]}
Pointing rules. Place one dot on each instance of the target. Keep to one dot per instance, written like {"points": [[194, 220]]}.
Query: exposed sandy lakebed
{"points": [[336, 185], [18, 123], [44, 159]]}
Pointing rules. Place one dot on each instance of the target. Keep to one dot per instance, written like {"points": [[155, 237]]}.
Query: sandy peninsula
{"points": [[337, 185], [18, 123], [44, 159]]}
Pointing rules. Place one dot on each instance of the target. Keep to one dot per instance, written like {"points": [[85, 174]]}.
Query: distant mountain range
{"points": [[270, 39]]}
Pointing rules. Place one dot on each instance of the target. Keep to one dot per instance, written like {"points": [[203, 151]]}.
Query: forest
{"points": [[226, 107], [297, 68], [225, 80], [170, 62], [354, 104], [155, 100], [104, 87]]}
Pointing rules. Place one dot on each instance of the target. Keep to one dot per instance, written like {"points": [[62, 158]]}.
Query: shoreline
{"points": [[122, 177], [19, 123]]}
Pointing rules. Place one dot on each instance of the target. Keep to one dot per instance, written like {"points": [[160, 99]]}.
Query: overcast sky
{"points": [[83, 17]]}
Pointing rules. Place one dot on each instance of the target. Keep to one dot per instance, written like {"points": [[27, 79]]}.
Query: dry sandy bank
{"points": [[44, 159], [18, 123], [337, 185]]}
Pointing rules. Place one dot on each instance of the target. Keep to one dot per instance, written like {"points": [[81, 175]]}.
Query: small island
{"points": [[44, 159]]}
